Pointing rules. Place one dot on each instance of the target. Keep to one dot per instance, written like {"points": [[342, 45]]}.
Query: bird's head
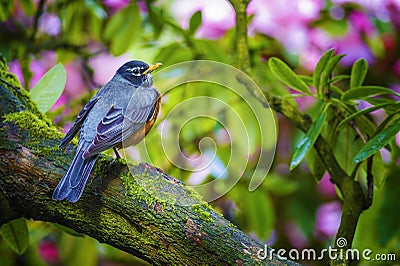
{"points": [[138, 73]]}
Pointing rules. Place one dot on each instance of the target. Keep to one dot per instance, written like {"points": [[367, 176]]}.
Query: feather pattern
{"points": [[72, 184], [116, 128], [78, 121]]}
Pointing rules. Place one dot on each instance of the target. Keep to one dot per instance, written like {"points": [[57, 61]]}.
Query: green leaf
{"points": [[327, 72], [364, 92], [339, 78], [280, 186], [172, 54], [6, 10], [49, 88], [259, 212], [386, 219], [15, 234], [28, 7], [195, 22], [317, 168], [308, 141], [307, 79], [96, 9], [211, 50], [287, 76], [365, 111], [358, 73], [319, 68], [378, 142], [123, 29]]}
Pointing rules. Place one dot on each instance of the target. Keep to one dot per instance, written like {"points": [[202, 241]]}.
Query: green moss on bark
{"points": [[36, 127]]}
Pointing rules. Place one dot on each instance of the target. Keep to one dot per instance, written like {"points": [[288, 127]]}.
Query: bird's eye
{"points": [[136, 71]]}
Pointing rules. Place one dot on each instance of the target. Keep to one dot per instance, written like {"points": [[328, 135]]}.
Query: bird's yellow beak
{"points": [[152, 68]]}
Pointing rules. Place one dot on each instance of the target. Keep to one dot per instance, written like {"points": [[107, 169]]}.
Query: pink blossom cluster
{"points": [[289, 22]]}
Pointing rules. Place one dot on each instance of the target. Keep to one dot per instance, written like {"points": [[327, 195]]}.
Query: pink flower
{"points": [[75, 85], [328, 219], [296, 236], [105, 65], [50, 24], [217, 16], [48, 251], [396, 69], [285, 20], [361, 23], [393, 7], [354, 47], [38, 67], [326, 188], [15, 67], [113, 6]]}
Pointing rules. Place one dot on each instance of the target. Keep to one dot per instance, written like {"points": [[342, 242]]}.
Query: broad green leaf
{"points": [[378, 142], [358, 73], [15, 234], [319, 68], [49, 88], [173, 53], [327, 72], [195, 22], [113, 25], [364, 92], [258, 211], [287, 76], [123, 29], [308, 141]]}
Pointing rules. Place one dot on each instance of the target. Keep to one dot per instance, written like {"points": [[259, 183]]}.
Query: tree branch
{"points": [[144, 220]]}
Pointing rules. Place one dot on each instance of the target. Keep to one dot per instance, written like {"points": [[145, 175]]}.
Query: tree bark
{"points": [[144, 220]]}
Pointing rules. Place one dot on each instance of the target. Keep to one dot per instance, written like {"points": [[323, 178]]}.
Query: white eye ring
{"points": [[135, 71]]}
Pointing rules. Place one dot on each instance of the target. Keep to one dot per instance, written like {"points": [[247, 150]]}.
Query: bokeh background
{"points": [[290, 209]]}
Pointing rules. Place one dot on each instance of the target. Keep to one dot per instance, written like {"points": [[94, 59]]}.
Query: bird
{"points": [[120, 114]]}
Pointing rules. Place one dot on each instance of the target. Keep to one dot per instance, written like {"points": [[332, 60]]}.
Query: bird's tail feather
{"points": [[73, 183]]}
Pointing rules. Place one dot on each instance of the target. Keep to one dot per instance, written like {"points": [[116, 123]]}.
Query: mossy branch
{"points": [[144, 220], [353, 197]]}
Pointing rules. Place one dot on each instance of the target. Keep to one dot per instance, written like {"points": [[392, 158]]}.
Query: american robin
{"points": [[120, 114]]}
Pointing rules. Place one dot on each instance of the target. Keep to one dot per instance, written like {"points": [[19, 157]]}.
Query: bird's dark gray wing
{"points": [[78, 121], [116, 127]]}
